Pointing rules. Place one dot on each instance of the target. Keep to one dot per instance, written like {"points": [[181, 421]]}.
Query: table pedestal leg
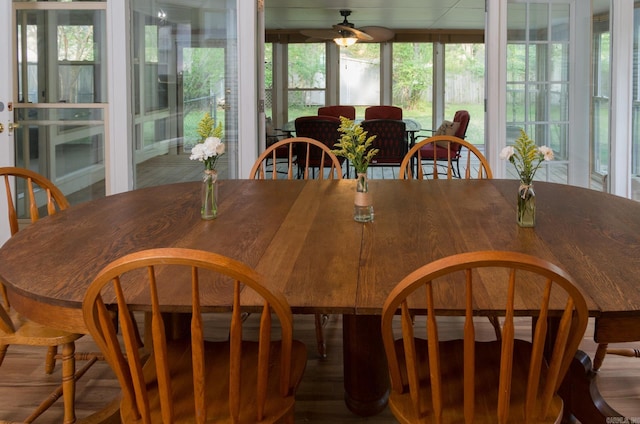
{"points": [[366, 376], [579, 392], [582, 400]]}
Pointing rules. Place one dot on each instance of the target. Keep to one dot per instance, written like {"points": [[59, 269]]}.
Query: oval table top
{"points": [[300, 235]]}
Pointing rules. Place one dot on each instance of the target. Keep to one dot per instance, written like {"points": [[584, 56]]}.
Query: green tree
{"points": [[203, 73], [412, 73]]}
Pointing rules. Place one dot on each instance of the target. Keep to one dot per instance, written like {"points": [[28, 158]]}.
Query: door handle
{"points": [[13, 126], [1, 128]]}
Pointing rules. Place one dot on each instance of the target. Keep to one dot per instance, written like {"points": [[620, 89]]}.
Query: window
{"points": [[413, 80], [601, 98], [464, 86], [635, 131], [307, 79], [538, 80], [360, 75]]}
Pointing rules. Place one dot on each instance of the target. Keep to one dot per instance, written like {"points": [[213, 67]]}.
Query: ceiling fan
{"points": [[346, 34]]}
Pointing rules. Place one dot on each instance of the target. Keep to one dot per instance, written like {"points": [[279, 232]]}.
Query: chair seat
{"points": [[486, 384], [442, 153], [31, 333], [385, 161], [217, 383]]}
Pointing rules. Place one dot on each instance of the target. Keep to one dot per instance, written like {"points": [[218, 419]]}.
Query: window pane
{"points": [[516, 63], [516, 22], [538, 22], [307, 79], [413, 80], [560, 14], [464, 86], [360, 74]]}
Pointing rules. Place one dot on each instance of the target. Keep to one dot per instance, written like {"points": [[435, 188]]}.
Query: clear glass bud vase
{"points": [[363, 207], [526, 205], [209, 194]]}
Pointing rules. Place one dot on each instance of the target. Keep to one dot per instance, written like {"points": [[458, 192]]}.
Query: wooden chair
{"points": [[337, 111], [481, 381], [383, 112], [426, 167], [15, 330], [303, 156], [190, 379], [258, 172]]}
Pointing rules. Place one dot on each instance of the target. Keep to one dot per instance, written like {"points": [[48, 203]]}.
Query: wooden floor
{"points": [[23, 383]]}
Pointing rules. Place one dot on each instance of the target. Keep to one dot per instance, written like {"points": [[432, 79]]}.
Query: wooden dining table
{"points": [[301, 236]]}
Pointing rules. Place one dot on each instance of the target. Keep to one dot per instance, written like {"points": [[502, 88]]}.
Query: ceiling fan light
{"points": [[345, 41]]}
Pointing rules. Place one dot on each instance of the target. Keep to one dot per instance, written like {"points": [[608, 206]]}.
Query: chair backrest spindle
{"points": [[300, 158], [440, 155]]}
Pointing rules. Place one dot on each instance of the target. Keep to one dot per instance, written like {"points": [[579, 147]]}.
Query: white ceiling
{"points": [[399, 14]]}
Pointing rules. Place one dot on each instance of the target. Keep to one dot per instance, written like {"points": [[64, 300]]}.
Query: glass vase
{"points": [[526, 205], [363, 208], [209, 208]]}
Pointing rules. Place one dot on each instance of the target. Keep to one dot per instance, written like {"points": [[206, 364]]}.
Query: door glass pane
{"points": [[537, 81], [268, 81], [601, 97], [635, 122], [182, 57], [62, 93], [67, 42], [65, 144], [202, 93]]}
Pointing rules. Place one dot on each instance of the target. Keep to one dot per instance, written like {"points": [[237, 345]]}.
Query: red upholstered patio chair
{"points": [[321, 128], [458, 129], [337, 111], [391, 140], [417, 166], [383, 112]]}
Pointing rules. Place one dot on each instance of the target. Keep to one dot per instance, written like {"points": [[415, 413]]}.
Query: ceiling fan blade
{"points": [[361, 36], [324, 34], [378, 33]]}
